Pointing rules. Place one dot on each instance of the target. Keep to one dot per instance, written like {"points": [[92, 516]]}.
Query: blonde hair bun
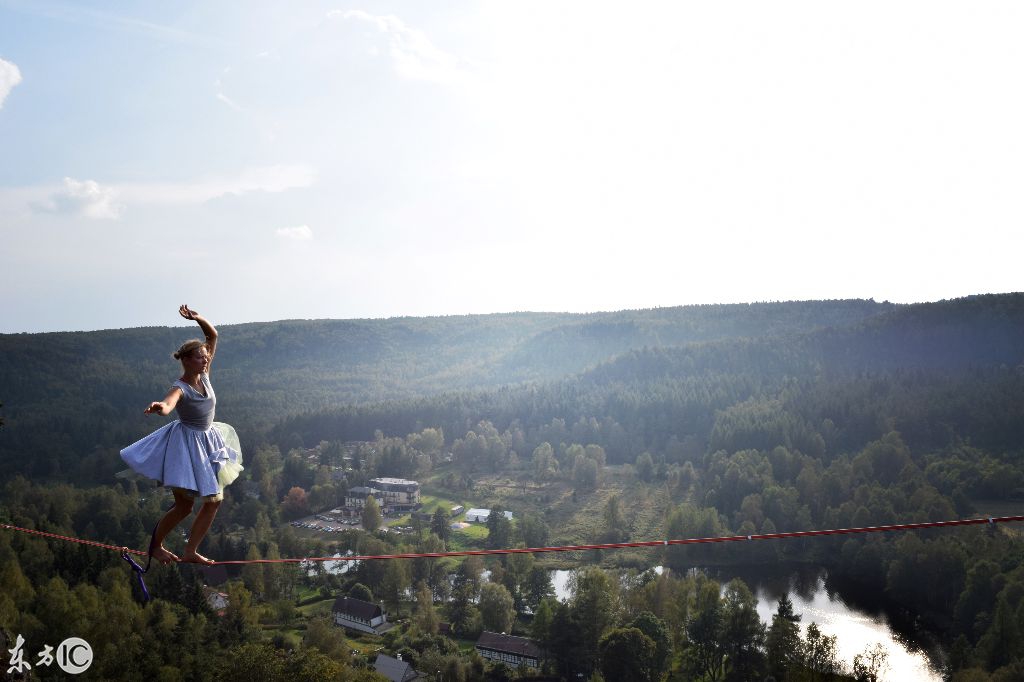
{"points": [[188, 347]]}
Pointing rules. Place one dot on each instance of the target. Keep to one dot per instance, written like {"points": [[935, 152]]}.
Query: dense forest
{"points": [[633, 425]]}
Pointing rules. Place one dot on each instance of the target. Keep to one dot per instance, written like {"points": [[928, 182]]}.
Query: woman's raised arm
{"points": [[204, 324]]}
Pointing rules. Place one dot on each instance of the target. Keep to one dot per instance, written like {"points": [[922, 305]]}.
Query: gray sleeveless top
{"points": [[194, 409]]}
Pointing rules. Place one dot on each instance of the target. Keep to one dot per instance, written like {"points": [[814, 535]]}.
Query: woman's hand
{"points": [[188, 313], [204, 324], [154, 408]]}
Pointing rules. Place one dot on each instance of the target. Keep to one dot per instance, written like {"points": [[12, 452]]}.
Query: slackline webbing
{"points": [[990, 520]]}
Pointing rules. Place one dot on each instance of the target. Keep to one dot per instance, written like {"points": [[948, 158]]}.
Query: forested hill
{"points": [[939, 373], [71, 398]]}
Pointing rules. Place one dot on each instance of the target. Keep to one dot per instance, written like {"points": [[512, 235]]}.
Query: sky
{"points": [[264, 160]]}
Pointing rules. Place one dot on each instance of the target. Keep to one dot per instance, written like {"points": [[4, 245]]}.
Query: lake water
{"points": [[334, 567], [856, 626]]}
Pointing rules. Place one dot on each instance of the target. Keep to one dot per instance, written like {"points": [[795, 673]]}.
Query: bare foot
{"points": [[193, 557], [163, 555]]}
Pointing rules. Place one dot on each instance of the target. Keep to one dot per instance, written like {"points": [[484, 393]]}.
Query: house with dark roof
{"points": [[395, 669], [360, 615], [513, 651]]}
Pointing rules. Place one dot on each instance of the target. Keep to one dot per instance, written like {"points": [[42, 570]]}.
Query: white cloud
{"points": [[230, 102], [86, 198], [412, 53], [10, 76], [298, 232], [90, 199], [224, 98], [274, 179]]}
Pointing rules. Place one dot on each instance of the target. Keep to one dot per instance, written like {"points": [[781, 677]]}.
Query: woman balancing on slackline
{"points": [[194, 456]]}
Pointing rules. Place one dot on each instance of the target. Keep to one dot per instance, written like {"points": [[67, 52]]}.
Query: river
{"points": [[855, 624]]}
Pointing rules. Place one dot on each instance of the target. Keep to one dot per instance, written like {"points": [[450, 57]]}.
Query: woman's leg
{"points": [[204, 519], [175, 515]]}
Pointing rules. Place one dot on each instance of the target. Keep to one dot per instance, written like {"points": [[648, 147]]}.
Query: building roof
{"points": [[509, 644], [394, 481], [357, 608], [486, 513], [393, 668], [361, 490]]}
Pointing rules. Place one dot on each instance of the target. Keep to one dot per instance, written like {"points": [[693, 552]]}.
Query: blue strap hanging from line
{"points": [[139, 570]]}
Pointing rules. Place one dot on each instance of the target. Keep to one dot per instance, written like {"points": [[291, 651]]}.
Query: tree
{"points": [[361, 592], [518, 569], [241, 619], [395, 583], [371, 514], [321, 634], [312, 666], [871, 664], [295, 504], [428, 441], [468, 575], [252, 572], [783, 640], [645, 467], [426, 619], [433, 571], [250, 662], [614, 524], [463, 613], [497, 610], [595, 606], [819, 654], [543, 615], [440, 526], [499, 529], [627, 655], [543, 462], [585, 473], [742, 632], [706, 653], [655, 628], [532, 529], [688, 521], [278, 578], [565, 643], [538, 587]]}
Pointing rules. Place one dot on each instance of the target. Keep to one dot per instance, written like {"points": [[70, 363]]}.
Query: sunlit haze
{"points": [[265, 161]]}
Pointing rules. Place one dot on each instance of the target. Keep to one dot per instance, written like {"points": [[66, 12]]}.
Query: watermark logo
{"points": [[73, 655]]}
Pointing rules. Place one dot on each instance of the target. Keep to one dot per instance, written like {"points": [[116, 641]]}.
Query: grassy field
{"points": [[430, 503], [572, 519], [317, 608]]}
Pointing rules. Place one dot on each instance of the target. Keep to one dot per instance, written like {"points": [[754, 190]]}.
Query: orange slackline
{"points": [[992, 520]]}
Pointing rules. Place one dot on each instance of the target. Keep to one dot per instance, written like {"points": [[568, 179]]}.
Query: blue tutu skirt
{"points": [[195, 460]]}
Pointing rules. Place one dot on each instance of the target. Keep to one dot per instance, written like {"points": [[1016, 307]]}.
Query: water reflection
{"points": [[857, 620], [337, 567]]}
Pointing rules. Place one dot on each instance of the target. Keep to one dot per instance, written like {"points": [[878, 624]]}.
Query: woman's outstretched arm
{"points": [[204, 324], [165, 406]]}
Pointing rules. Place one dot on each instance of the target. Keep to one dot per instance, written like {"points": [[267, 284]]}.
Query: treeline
{"points": [[73, 399], [636, 626]]}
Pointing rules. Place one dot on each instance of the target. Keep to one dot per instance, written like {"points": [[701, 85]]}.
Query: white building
{"points": [[399, 494], [513, 651], [481, 515], [360, 615]]}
